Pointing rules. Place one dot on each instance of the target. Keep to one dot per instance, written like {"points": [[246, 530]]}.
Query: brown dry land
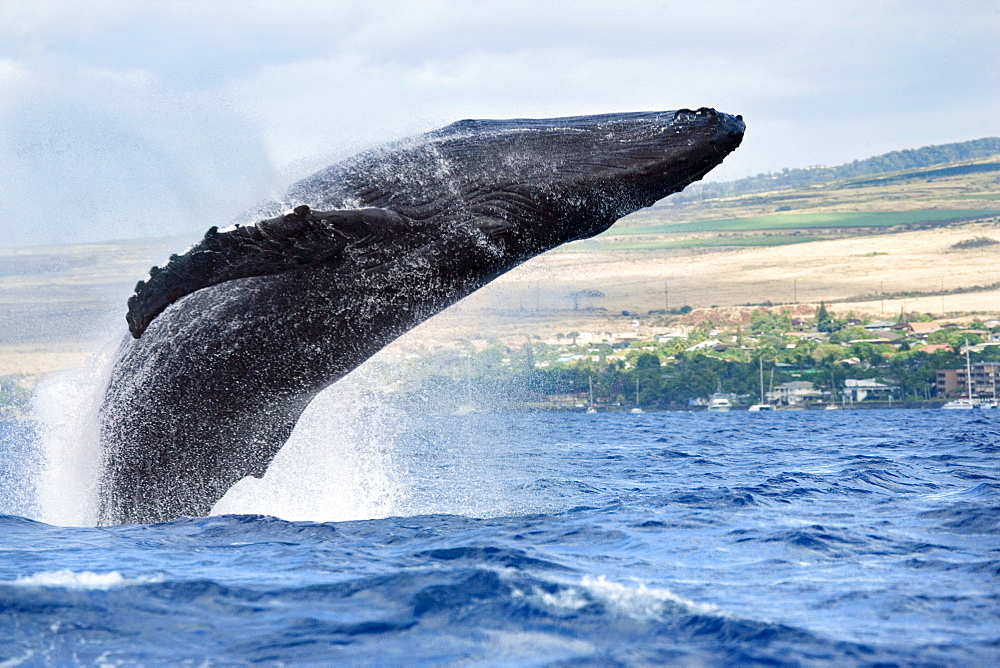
{"points": [[58, 303]]}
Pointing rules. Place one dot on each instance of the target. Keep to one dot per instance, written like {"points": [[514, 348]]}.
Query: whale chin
{"points": [[231, 340]]}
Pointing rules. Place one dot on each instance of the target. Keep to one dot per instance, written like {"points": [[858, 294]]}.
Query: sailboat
{"points": [[637, 408], [592, 408], [833, 393], [964, 403], [762, 406]]}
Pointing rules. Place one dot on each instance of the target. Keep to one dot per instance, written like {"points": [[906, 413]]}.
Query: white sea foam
{"points": [[17, 660], [640, 601], [67, 579], [527, 646], [66, 408], [637, 601]]}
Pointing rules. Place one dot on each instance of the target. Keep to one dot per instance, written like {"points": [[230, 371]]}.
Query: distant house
{"points": [[671, 336], [576, 399], [934, 347], [566, 359], [859, 389], [806, 336], [795, 393], [714, 344], [879, 324], [922, 328], [887, 337]]}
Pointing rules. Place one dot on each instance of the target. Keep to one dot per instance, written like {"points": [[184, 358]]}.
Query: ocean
{"points": [[850, 537]]}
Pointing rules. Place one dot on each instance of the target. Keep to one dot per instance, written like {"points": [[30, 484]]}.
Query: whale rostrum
{"points": [[233, 338]]}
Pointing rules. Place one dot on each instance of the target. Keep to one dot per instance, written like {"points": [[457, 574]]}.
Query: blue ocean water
{"points": [[796, 538]]}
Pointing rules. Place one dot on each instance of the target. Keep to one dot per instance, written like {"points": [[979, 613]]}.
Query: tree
{"points": [[824, 321]]}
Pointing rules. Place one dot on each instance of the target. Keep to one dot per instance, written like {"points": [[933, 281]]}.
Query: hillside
{"points": [[896, 165], [915, 239]]}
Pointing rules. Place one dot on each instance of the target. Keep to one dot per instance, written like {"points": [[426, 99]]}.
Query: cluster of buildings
{"points": [[983, 379]]}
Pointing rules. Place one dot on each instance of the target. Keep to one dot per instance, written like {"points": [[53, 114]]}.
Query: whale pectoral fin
{"points": [[298, 239]]}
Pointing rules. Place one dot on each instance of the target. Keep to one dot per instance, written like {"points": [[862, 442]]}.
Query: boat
{"points": [[720, 403], [637, 408], [832, 406], [966, 403], [592, 408], [762, 406]]}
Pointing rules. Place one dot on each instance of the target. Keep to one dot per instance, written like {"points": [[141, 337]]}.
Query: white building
{"points": [[794, 393], [859, 389]]}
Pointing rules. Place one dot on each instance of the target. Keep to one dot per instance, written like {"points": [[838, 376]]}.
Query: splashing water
{"points": [[359, 453], [66, 408], [337, 464]]}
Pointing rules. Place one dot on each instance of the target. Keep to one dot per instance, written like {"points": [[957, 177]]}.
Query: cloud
{"points": [[132, 117]]}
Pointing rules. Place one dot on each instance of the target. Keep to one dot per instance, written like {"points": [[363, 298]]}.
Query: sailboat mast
{"points": [[968, 371], [761, 360]]}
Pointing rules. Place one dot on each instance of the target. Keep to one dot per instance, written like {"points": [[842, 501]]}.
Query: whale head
{"points": [[542, 182]]}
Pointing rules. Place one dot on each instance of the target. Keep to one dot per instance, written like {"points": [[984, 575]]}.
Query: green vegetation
{"points": [[914, 163], [926, 174], [13, 397], [669, 379], [800, 221], [674, 372]]}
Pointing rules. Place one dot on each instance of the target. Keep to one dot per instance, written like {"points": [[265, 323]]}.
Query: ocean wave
{"points": [[83, 580], [637, 602]]}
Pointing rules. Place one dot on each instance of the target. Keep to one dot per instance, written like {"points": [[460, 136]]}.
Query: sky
{"points": [[129, 118]]}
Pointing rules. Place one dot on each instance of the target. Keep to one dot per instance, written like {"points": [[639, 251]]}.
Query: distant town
{"points": [[777, 358]]}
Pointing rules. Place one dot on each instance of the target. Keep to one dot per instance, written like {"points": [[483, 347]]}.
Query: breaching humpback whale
{"points": [[232, 339]]}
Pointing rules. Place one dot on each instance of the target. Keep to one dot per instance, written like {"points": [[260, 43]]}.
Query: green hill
{"points": [[896, 165]]}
